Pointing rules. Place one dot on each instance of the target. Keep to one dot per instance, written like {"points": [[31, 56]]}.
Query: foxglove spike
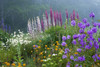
{"points": [[66, 14], [60, 16], [51, 16], [78, 16], [71, 17], [73, 14], [47, 18], [38, 24], [42, 25], [55, 17]]}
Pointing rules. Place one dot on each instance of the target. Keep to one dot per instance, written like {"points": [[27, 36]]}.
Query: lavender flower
{"points": [[87, 24], [98, 25], [98, 39], [68, 36], [81, 58], [73, 23], [75, 36], [80, 24], [94, 24], [81, 31]]}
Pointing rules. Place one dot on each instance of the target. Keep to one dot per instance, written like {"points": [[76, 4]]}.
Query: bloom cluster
{"points": [[84, 42], [19, 38]]}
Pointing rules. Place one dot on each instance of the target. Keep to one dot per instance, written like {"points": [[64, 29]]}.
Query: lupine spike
{"points": [[38, 24], [47, 18], [78, 16], [71, 17], [73, 14], [66, 14], [42, 25], [55, 17], [51, 16], [60, 16]]}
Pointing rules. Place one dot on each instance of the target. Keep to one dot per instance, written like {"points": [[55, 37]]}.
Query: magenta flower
{"points": [[60, 16], [73, 23], [77, 16], [55, 17], [67, 14], [42, 25], [73, 14], [51, 16]]}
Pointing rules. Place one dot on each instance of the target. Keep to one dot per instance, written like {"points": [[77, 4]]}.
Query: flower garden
{"points": [[50, 43]]}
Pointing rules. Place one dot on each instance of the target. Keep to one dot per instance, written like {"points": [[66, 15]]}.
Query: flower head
{"points": [[85, 20], [92, 15], [64, 38], [64, 56], [63, 43], [73, 23], [68, 36]]}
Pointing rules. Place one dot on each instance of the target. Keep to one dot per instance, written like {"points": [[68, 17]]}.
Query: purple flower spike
{"points": [[64, 56], [42, 25], [81, 58], [63, 43], [64, 38], [73, 14], [73, 23], [81, 31], [66, 14], [85, 20], [55, 18], [77, 16], [98, 25], [60, 18], [51, 16], [92, 15]]}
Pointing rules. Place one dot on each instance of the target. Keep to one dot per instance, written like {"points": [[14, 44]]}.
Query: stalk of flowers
{"points": [[60, 16], [47, 18], [45, 22], [85, 46], [51, 16], [39, 24]]}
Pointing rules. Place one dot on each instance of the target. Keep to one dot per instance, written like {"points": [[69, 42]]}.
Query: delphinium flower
{"points": [[68, 36], [63, 43], [75, 36], [81, 31], [98, 25], [92, 15], [85, 20], [68, 64], [38, 24], [94, 29], [95, 24], [80, 24], [81, 58], [64, 38], [96, 45], [99, 40], [74, 42], [79, 50], [83, 26], [64, 56], [72, 57], [87, 24], [73, 23]]}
